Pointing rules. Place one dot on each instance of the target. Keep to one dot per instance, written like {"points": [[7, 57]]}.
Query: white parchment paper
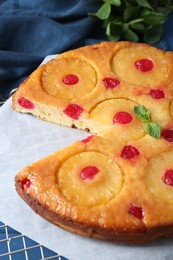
{"points": [[25, 139]]}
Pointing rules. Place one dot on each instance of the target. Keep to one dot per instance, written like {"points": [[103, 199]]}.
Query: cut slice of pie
{"points": [[103, 189], [115, 185]]}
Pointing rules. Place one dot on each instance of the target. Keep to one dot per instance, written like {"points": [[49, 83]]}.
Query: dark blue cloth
{"points": [[166, 42], [32, 29]]}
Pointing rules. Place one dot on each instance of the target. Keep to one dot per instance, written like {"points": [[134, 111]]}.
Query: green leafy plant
{"points": [[134, 20], [152, 128]]}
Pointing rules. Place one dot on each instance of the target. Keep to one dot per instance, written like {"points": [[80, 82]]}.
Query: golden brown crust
{"points": [[126, 236]]}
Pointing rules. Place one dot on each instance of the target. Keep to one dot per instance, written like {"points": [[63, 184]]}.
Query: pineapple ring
{"points": [[156, 168], [105, 185], [56, 82], [104, 114], [125, 59]]}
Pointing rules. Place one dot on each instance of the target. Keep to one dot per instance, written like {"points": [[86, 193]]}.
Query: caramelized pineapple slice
{"points": [[159, 176], [90, 178], [115, 119], [141, 65], [68, 78], [151, 147]]}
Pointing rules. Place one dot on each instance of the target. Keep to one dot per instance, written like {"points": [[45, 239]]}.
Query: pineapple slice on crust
{"points": [[116, 120]]}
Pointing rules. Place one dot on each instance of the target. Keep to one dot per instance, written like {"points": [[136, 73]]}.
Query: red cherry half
{"points": [[26, 184], [70, 79], [144, 65], [157, 94], [168, 177], [74, 111], [137, 212], [25, 103], [167, 134], [122, 118], [129, 152], [111, 83], [89, 172]]}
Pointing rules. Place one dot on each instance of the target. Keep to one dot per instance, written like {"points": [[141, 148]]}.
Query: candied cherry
{"points": [[25, 103], [137, 212], [87, 139], [168, 177], [122, 118], [167, 134], [74, 111], [144, 65], [70, 79], [89, 172], [157, 94], [129, 152], [110, 83], [26, 184]]}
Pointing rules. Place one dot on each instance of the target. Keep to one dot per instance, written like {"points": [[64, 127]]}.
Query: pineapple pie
{"points": [[117, 184]]}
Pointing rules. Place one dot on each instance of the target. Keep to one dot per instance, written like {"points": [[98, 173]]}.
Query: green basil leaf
{"points": [[153, 129], [155, 18], [144, 3], [115, 2], [129, 12], [142, 113], [137, 26], [113, 31], [114, 38], [137, 19], [129, 3], [129, 34], [153, 34], [145, 13], [104, 11]]}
